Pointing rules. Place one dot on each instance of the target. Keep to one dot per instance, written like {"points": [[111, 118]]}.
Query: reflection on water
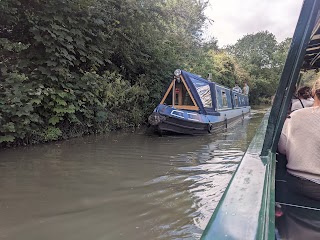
{"points": [[119, 186]]}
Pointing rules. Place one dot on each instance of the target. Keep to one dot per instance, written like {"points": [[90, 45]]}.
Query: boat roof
{"points": [[185, 73], [188, 78], [312, 56], [199, 78], [194, 81]]}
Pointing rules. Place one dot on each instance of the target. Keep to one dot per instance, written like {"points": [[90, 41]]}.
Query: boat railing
{"points": [[244, 209]]}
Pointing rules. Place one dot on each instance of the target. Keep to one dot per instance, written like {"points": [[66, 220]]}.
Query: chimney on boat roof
{"points": [[209, 76]]}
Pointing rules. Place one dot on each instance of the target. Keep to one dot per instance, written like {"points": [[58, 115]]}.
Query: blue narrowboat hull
{"points": [[168, 119]]}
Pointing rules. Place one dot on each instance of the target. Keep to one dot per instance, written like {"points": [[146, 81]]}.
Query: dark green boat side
{"points": [[247, 208]]}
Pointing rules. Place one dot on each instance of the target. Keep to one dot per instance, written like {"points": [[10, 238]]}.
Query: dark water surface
{"points": [[119, 186]]}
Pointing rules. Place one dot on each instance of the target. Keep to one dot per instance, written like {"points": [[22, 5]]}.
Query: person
{"points": [[246, 89], [299, 141], [304, 99], [237, 88]]}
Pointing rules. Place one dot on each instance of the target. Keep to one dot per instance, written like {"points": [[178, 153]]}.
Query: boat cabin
{"points": [[188, 91], [193, 105]]}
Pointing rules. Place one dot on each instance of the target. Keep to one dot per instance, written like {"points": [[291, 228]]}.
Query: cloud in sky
{"points": [[235, 18]]}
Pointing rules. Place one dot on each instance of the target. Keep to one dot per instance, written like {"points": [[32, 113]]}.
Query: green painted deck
{"points": [[250, 191]]}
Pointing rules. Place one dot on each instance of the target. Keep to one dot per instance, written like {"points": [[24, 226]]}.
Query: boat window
{"points": [[204, 92], [224, 99], [205, 95], [182, 96]]}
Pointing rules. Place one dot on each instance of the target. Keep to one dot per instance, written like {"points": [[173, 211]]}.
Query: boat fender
{"points": [[155, 118], [242, 115], [226, 121]]}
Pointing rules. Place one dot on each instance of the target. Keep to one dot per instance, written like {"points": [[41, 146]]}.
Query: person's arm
{"points": [[282, 145]]}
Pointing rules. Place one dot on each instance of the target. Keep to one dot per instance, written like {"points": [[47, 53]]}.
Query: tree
{"points": [[255, 50], [263, 58]]}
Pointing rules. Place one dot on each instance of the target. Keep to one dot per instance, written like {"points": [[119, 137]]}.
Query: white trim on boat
{"points": [[193, 114], [179, 116]]}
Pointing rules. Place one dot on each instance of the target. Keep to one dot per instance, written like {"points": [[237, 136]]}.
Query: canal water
{"points": [[120, 185]]}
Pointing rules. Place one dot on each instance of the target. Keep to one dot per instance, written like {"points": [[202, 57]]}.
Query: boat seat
{"points": [[299, 217], [283, 195]]}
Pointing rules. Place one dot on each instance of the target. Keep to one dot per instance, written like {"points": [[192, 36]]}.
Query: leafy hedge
{"points": [[74, 67], [71, 67], [92, 104]]}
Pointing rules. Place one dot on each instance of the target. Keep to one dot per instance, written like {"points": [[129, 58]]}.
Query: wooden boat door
{"points": [[179, 96]]}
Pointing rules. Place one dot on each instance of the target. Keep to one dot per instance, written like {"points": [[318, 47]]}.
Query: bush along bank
{"points": [[70, 67], [32, 113]]}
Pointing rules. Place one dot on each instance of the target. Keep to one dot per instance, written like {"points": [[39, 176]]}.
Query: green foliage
{"points": [[255, 50], [51, 133], [221, 65], [6, 138], [91, 65], [262, 58], [308, 78], [74, 67], [17, 115]]}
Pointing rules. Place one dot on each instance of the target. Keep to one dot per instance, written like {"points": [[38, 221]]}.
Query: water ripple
{"points": [[118, 186]]}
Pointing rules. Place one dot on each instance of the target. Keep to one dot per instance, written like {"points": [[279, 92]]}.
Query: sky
{"points": [[235, 18]]}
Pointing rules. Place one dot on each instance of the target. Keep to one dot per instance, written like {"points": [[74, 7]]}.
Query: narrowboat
{"points": [[193, 105], [257, 203]]}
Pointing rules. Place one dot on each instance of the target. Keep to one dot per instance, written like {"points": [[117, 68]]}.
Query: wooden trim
{"points": [[186, 107], [180, 95], [174, 93], [191, 96], [167, 93]]}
